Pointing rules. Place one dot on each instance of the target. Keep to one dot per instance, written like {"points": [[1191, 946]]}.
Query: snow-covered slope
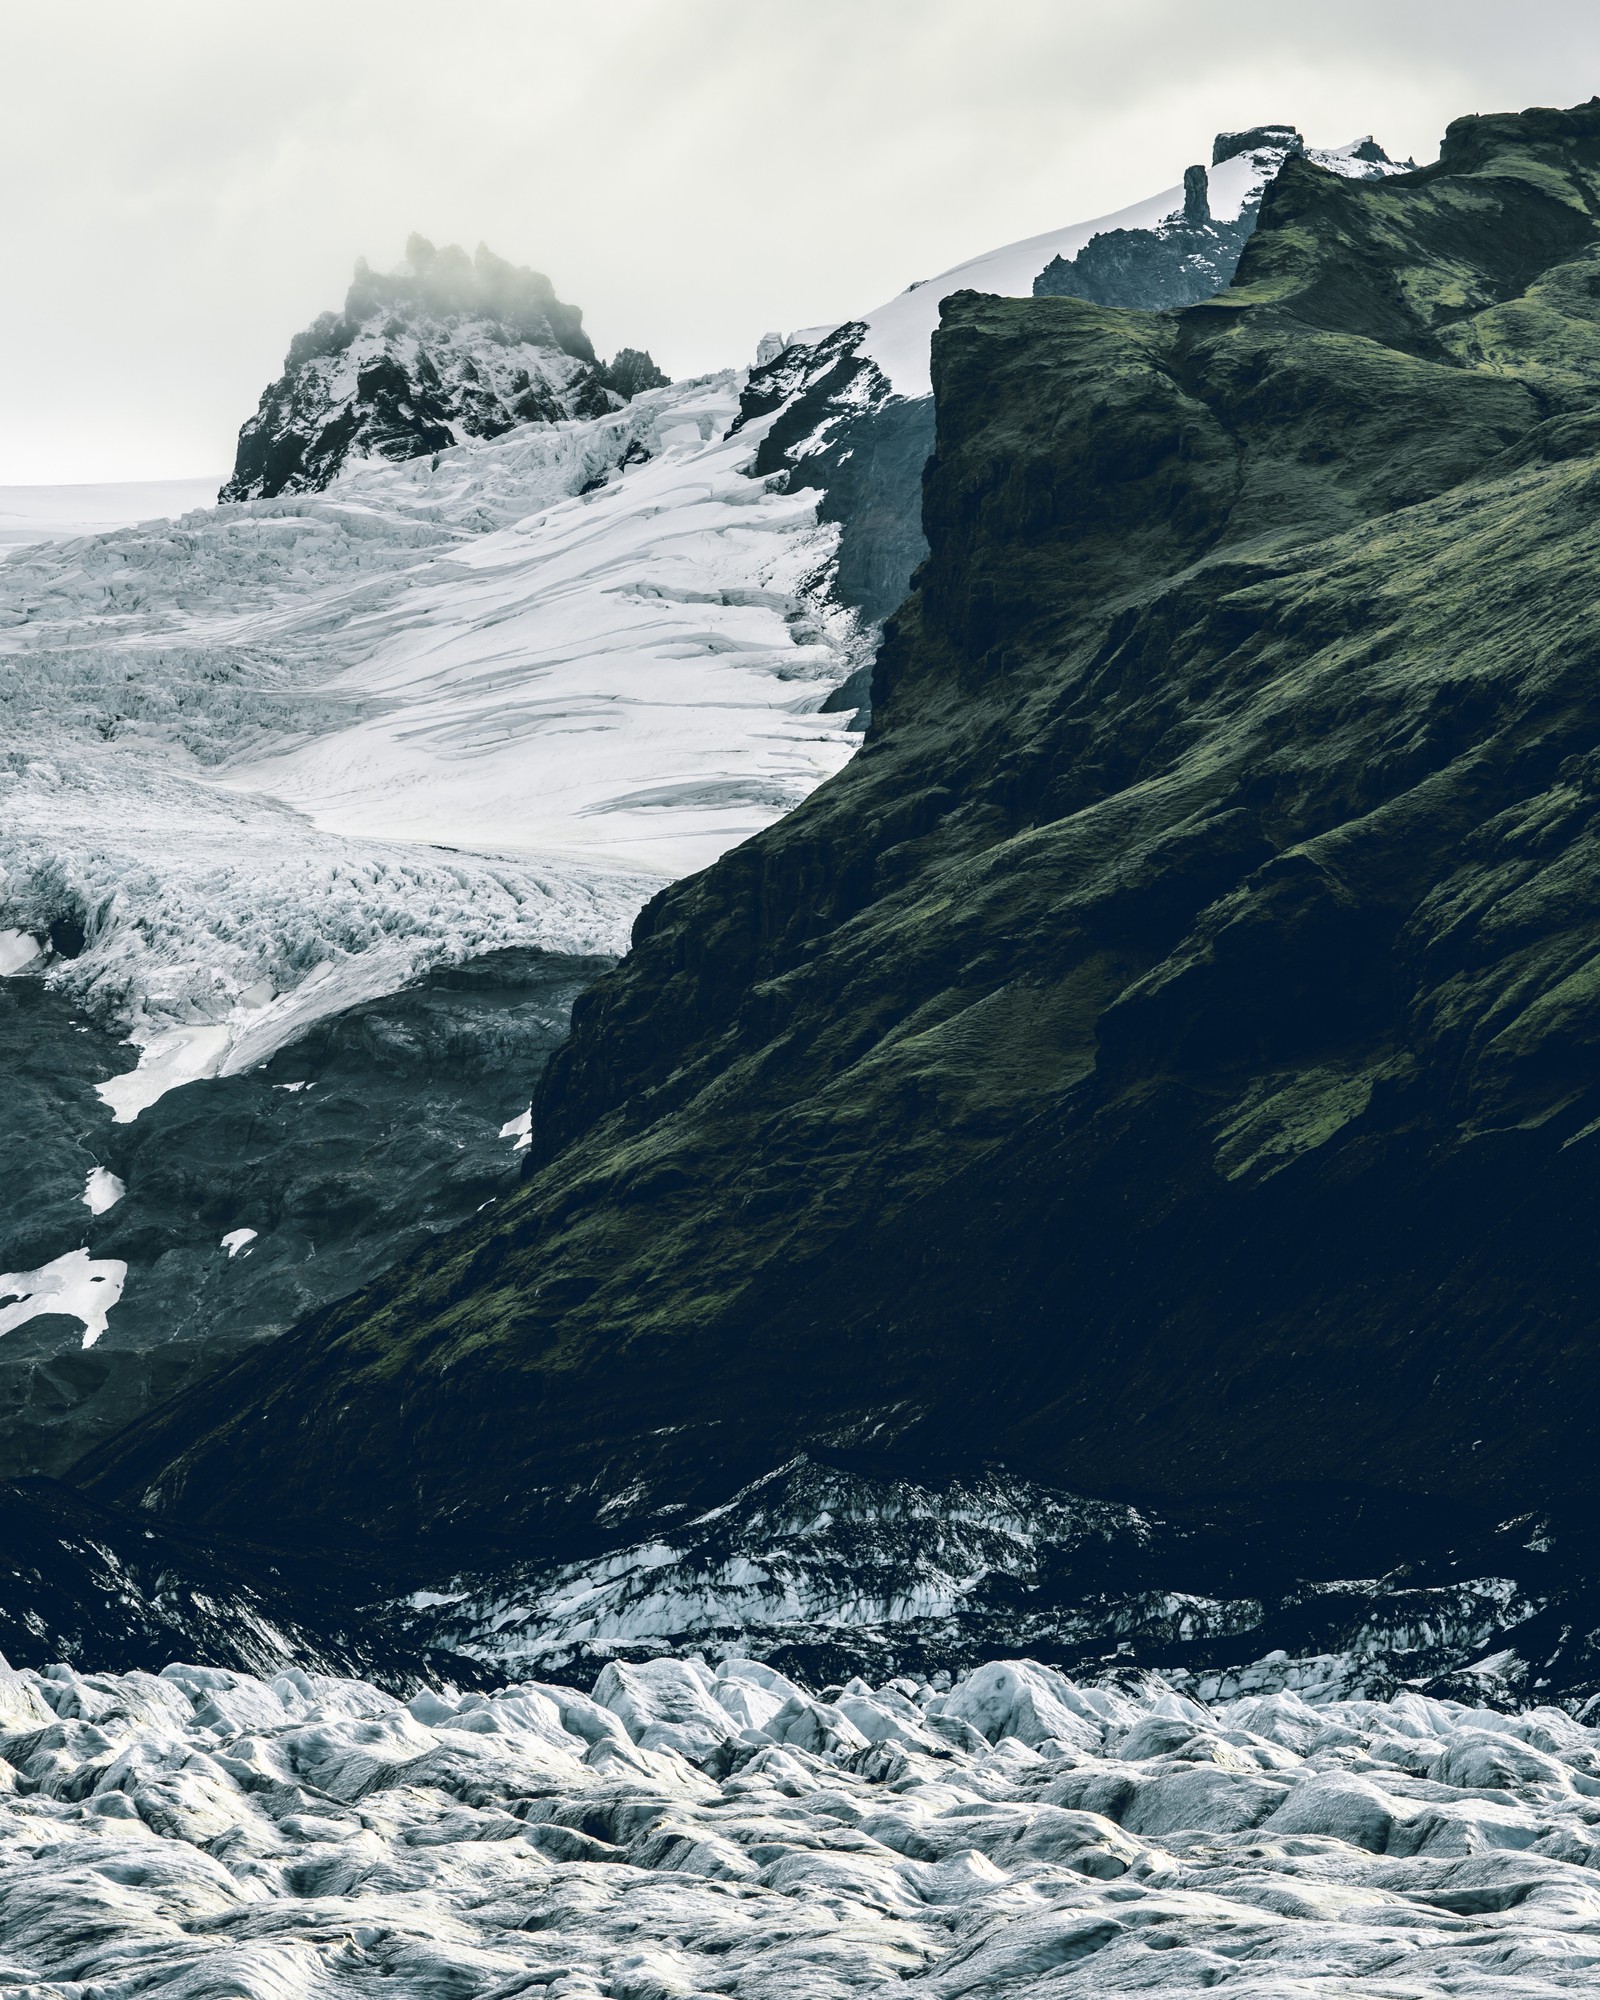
{"points": [[278, 758], [442, 349], [689, 1830]]}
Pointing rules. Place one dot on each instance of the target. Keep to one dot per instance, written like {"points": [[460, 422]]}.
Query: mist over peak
{"points": [[442, 348]]}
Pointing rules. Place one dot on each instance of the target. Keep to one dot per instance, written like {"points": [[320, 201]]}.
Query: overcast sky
{"points": [[184, 183]]}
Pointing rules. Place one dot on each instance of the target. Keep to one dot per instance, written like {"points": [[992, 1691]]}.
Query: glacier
{"points": [[274, 759], [697, 1827], [65, 513]]}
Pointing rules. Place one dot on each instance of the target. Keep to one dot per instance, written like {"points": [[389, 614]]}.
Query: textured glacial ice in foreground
{"points": [[694, 1829], [273, 760]]}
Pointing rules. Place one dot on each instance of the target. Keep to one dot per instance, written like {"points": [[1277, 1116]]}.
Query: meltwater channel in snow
{"points": [[267, 761]]}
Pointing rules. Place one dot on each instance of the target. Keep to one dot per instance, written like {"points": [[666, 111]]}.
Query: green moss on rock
{"points": [[1164, 1060]]}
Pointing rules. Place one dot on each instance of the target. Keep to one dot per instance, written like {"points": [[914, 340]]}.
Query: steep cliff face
{"points": [[852, 416], [1163, 1062], [443, 349]]}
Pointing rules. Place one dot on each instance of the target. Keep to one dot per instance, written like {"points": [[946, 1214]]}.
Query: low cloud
{"points": [[186, 185]]}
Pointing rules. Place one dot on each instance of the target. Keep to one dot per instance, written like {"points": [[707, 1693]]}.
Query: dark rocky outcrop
{"points": [[1163, 1062], [445, 348], [376, 1129], [841, 432], [1192, 255]]}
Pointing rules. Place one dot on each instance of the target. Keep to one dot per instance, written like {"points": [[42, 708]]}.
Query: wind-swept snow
{"points": [[279, 758]]}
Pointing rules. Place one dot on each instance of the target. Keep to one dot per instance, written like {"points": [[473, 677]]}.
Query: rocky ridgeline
{"points": [[838, 426], [1193, 254], [689, 1830], [443, 349]]}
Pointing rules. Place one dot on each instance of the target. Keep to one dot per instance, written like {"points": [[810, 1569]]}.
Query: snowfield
{"points": [[274, 759], [695, 1830], [62, 513]]}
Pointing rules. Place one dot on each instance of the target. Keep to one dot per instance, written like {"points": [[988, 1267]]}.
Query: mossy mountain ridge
{"points": [[1163, 1062]]}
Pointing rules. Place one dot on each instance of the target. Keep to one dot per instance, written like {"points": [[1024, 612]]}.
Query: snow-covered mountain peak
{"points": [[444, 348]]}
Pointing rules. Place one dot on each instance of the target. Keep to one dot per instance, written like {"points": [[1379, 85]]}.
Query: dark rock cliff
{"points": [[1163, 1062], [842, 431], [445, 348], [375, 1129]]}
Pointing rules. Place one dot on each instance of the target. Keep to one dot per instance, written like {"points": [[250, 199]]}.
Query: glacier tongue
{"points": [[690, 1830], [278, 758]]}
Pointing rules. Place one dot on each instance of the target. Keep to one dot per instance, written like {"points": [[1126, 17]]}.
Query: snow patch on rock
{"points": [[18, 953], [520, 1130], [77, 1286], [102, 1190]]}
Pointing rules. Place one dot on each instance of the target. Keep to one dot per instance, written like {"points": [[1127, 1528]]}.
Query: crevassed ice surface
{"points": [[277, 758], [694, 1830]]}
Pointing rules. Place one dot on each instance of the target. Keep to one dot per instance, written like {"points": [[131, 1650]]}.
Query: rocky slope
{"points": [[1161, 1063], [235, 1205], [699, 1830], [851, 412], [443, 349]]}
